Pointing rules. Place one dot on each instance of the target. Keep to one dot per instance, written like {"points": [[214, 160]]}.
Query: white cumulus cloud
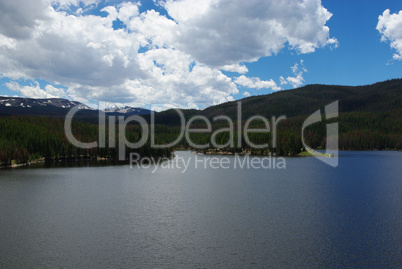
{"points": [[256, 83], [68, 3], [237, 68], [225, 32], [35, 91], [390, 27]]}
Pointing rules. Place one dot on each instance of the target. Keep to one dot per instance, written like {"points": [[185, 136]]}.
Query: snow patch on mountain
{"points": [[30, 102], [26, 103], [127, 110]]}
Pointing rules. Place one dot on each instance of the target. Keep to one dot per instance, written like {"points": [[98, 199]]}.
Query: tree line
{"points": [[28, 138]]}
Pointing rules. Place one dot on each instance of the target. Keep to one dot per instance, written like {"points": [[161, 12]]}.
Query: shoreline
{"points": [[70, 160], [301, 154], [248, 152], [209, 152]]}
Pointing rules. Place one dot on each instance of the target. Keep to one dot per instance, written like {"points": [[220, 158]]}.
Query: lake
{"points": [[304, 215]]}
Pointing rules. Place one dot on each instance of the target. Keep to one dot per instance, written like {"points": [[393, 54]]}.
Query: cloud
{"points": [[247, 94], [18, 18], [176, 59], [60, 93], [68, 3], [226, 32], [34, 91], [72, 50], [297, 80], [390, 25], [256, 83], [237, 68], [168, 69]]}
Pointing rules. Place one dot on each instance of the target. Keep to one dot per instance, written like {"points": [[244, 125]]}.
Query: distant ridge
{"points": [[381, 97], [57, 107], [128, 110], [31, 102], [378, 97]]}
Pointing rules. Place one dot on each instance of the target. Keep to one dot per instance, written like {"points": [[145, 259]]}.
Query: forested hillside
{"points": [[27, 138], [370, 117], [382, 97]]}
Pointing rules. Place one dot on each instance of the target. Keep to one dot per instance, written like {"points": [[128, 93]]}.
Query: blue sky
{"points": [[191, 53]]}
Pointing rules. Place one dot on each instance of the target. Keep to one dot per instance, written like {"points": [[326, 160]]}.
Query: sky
{"points": [[193, 53]]}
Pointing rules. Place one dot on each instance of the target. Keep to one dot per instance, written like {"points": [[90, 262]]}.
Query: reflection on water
{"points": [[307, 215]]}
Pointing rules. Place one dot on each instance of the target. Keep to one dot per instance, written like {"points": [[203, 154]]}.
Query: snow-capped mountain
{"points": [[127, 110], [58, 106], [30, 102]]}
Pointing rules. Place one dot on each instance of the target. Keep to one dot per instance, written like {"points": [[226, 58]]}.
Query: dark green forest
{"points": [[370, 118], [27, 138]]}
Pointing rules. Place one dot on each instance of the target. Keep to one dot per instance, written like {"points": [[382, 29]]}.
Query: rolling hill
{"points": [[382, 97]]}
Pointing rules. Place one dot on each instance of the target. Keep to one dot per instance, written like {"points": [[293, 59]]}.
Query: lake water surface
{"points": [[308, 215]]}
